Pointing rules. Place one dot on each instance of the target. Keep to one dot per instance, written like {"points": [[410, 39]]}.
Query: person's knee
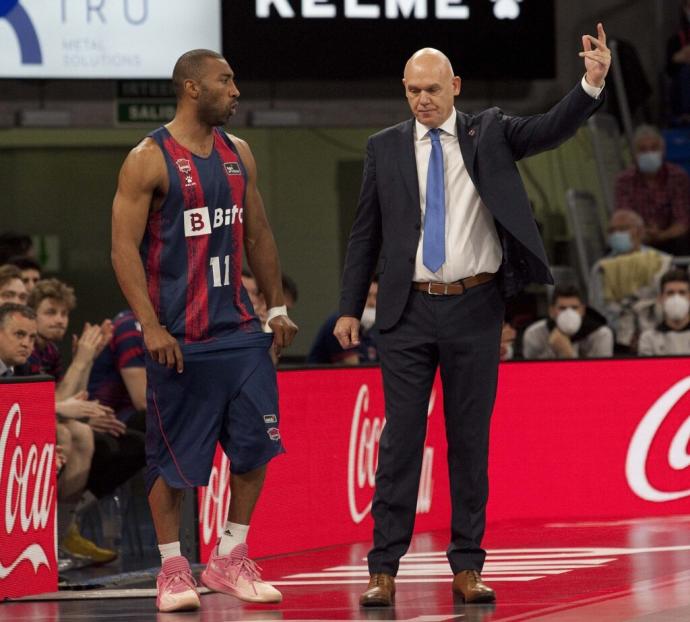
{"points": [[82, 439]]}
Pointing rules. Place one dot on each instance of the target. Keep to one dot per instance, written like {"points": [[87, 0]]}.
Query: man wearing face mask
{"points": [[326, 350], [571, 331], [672, 335], [623, 285], [657, 190]]}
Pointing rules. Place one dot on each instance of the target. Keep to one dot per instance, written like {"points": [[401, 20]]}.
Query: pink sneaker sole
{"points": [[183, 602], [220, 586]]}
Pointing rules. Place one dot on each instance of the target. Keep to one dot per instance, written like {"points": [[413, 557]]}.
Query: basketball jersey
{"points": [[192, 246]]}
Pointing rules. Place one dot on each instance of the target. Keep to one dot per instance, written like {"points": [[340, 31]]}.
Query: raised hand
{"points": [[597, 57]]}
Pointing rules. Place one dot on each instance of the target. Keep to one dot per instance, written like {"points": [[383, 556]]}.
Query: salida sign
{"points": [[27, 489]]}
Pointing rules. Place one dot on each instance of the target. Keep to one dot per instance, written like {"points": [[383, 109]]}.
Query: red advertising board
{"points": [[27, 488], [569, 440]]}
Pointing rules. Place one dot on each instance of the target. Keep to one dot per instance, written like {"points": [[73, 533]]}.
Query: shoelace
{"points": [[474, 574], [245, 567], [180, 577], [379, 579]]}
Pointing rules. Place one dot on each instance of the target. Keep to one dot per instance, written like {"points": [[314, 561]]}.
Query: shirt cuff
{"points": [[274, 312], [592, 91]]}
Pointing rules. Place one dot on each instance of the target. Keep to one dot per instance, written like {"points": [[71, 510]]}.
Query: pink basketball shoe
{"points": [[176, 586], [239, 576]]}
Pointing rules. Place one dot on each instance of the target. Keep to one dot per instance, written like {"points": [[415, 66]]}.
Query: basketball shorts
{"points": [[227, 396]]}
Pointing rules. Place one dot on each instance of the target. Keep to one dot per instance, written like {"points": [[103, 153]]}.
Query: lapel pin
{"points": [[472, 132]]}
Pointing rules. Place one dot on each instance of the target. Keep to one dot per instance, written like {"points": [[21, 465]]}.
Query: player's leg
{"points": [[251, 438]]}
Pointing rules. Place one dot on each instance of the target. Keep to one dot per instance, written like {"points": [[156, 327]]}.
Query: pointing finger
{"points": [[601, 35]]}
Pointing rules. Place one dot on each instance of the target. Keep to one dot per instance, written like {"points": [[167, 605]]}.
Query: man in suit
{"points": [[444, 221]]}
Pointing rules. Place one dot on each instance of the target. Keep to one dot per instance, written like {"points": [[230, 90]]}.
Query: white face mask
{"points": [[569, 321], [368, 317], [650, 161], [676, 307]]}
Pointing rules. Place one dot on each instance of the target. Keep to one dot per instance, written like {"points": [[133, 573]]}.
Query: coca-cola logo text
{"points": [[215, 501], [365, 434], [28, 489], [641, 443]]}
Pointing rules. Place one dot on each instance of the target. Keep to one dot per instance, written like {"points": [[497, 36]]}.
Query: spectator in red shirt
{"points": [[657, 190]]}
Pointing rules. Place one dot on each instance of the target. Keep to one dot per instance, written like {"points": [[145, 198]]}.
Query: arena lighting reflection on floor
{"points": [[596, 571]]}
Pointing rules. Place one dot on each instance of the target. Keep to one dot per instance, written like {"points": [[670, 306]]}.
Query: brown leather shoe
{"points": [[380, 591], [469, 585]]}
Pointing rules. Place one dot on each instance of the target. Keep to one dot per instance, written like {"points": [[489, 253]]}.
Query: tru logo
{"points": [[19, 20]]}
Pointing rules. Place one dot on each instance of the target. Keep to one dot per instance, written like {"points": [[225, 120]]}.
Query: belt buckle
{"points": [[445, 289]]}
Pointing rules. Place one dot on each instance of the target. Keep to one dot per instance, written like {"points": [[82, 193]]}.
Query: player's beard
{"points": [[212, 113]]}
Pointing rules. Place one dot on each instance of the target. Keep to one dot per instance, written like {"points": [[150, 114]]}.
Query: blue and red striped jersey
{"points": [[192, 246], [126, 349]]}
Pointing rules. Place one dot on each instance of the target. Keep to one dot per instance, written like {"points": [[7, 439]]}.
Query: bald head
{"points": [[430, 86], [429, 59]]}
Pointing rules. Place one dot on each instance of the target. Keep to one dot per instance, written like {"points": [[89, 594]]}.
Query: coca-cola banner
{"points": [[27, 488], [569, 440]]}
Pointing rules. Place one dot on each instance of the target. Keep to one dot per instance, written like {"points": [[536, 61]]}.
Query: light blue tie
{"points": [[434, 249]]}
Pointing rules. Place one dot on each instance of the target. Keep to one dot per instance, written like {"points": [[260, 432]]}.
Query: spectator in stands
{"points": [[572, 330], [30, 270], [672, 335], [678, 67], [12, 288], [17, 336], [118, 377], [255, 296], [623, 285], [13, 244], [657, 190], [326, 349]]}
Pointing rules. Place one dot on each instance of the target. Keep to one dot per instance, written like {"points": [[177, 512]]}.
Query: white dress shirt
{"points": [[472, 244]]}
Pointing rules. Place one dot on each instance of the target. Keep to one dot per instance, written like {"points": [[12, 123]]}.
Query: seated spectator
{"points": [[326, 349], [571, 331], [678, 67], [659, 191], [118, 377], [626, 280], [17, 336], [117, 452], [12, 288], [30, 270], [13, 244], [672, 335], [255, 296]]}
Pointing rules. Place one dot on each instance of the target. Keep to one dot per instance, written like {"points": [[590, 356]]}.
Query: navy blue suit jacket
{"points": [[388, 220]]}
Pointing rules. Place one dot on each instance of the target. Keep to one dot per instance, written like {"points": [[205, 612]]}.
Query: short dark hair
{"points": [[13, 243], [565, 291], [189, 66], [8, 273], [12, 307], [290, 286], [674, 275], [24, 263]]}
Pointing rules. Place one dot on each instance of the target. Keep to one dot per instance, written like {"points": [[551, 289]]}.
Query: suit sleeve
{"points": [[530, 135], [364, 243]]}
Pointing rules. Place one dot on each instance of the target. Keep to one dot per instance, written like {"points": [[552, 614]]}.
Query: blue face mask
{"points": [[620, 242], [649, 161]]}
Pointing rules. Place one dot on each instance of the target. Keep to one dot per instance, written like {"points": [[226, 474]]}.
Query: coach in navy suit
{"points": [[444, 221]]}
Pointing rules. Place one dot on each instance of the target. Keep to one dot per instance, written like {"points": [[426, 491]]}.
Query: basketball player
{"points": [[186, 204]]}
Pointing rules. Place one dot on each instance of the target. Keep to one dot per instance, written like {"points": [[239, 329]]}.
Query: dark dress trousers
{"points": [[420, 332]]}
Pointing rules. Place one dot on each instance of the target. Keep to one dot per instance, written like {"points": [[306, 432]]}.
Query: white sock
{"points": [[233, 535], [172, 549]]}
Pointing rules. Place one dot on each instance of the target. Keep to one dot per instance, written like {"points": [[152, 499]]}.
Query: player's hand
{"points": [[346, 331], [597, 57], [284, 331], [78, 406], [163, 347], [106, 335]]}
